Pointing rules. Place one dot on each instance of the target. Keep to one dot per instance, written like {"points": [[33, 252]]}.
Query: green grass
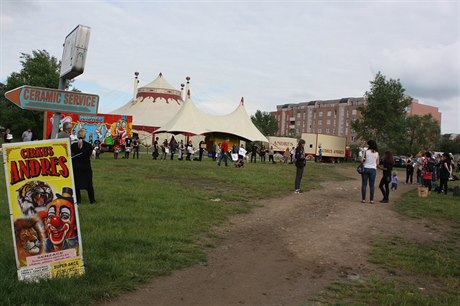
{"points": [[375, 291], [151, 218], [436, 206], [418, 273]]}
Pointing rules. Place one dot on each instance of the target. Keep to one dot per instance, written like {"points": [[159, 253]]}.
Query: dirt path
{"points": [[288, 250]]}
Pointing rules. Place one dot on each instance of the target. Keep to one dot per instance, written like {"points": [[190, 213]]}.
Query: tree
{"points": [[265, 122], [422, 133], [39, 69], [449, 144], [384, 117]]}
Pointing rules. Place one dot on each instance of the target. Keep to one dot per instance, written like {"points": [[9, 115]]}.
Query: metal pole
{"points": [[57, 115]]}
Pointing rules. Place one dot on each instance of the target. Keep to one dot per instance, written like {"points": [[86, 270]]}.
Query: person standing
{"points": [[81, 164], [163, 149], [128, 143], [224, 152], [271, 153], [213, 151], [136, 147], [66, 130], [427, 170], [394, 181], [409, 169], [201, 145], [190, 151], [8, 137], [254, 153], [445, 172], [180, 150], [370, 162], [387, 168], [300, 165], [155, 149], [262, 154], [97, 146], [172, 146], [27, 135]]}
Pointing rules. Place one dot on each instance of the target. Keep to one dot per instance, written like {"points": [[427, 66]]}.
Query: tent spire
{"points": [[187, 86], [182, 91], [136, 82], [242, 101]]}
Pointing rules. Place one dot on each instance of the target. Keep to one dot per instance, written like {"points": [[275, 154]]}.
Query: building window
{"points": [[328, 121], [353, 138], [354, 112], [328, 130], [320, 130], [320, 114], [328, 113], [298, 115], [320, 122]]}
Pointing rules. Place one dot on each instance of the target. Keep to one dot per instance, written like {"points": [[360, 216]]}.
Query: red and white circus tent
{"points": [[153, 105], [159, 108]]}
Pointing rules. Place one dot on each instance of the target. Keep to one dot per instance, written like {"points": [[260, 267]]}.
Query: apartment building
{"points": [[332, 117]]}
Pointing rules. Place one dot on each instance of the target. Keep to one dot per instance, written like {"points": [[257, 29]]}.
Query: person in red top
{"points": [[224, 152]]}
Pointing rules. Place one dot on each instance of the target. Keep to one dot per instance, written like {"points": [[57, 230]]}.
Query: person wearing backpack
{"points": [[427, 170]]}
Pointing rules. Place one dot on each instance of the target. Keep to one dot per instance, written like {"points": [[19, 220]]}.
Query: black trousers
{"points": [[298, 177], [443, 185], [91, 197], [409, 174], [385, 187]]}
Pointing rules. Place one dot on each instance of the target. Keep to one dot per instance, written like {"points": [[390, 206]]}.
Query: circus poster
{"points": [[44, 216]]}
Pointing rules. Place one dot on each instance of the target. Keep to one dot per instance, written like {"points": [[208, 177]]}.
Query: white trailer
{"points": [[280, 144], [326, 147]]}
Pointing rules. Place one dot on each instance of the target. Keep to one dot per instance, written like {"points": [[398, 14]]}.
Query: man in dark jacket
{"points": [[300, 164]]}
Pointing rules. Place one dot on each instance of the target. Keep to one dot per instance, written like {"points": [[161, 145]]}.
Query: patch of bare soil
{"points": [[287, 250]]}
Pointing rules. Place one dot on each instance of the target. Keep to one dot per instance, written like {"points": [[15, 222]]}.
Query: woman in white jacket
{"points": [[370, 163]]}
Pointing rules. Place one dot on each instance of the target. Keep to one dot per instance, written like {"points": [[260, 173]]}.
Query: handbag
{"points": [[360, 169]]}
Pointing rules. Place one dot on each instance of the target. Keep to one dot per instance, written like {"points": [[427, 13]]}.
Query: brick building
{"points": [[332, 117]]}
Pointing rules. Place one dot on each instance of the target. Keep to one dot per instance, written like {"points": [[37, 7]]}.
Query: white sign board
{"points": [[74, 55]]}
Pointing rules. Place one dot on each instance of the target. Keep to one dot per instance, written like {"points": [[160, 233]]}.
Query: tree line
{"points": [[382, 119]]}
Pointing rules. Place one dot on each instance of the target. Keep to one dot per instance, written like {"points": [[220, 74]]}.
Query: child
{"points": [[394, 182]]}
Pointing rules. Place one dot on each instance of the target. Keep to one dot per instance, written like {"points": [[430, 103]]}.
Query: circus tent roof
{"points": [[191, 120], [155, 103]]}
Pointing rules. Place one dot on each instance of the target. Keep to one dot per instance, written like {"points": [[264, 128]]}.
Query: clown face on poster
{"points": [[44, 216]]}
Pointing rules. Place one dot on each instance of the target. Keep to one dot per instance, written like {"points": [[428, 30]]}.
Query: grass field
{"points": [[418, 273], [151, 217]]}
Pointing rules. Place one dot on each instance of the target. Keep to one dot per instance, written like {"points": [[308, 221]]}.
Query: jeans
{"points": [[298, 177], [368, 174], [223, 155]]}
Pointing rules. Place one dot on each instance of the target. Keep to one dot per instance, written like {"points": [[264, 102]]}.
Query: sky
{"points": [[269, 52]]}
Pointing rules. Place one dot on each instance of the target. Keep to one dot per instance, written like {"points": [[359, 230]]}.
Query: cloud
{"points": [[271, 53], [430, 72]]}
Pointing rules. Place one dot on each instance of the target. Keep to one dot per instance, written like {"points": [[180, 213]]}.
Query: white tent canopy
{"points": [[154, 104], [190, 120]]}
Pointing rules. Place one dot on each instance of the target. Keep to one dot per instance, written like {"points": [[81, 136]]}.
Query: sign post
{"points": [[73, 62], [46, 99]]}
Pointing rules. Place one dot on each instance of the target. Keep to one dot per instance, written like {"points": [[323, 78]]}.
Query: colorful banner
{"points": [[109, 129], [44, 216]]}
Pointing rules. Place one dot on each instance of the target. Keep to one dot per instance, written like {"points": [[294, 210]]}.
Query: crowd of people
{"points": [[428, 167]]}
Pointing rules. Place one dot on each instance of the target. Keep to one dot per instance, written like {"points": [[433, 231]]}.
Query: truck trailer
{"points": [[321, 147]]}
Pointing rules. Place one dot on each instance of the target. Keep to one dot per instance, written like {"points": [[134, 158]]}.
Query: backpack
{"points": [[430, 166]]}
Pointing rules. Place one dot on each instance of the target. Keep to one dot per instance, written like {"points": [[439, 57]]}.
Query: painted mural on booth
{"points": [[110, 130]]}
